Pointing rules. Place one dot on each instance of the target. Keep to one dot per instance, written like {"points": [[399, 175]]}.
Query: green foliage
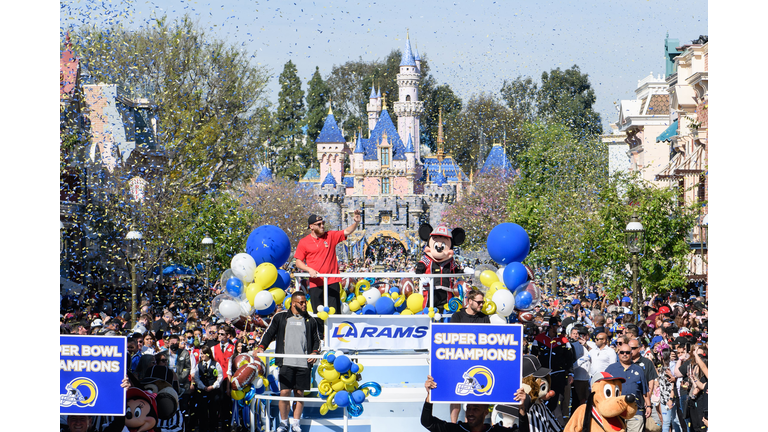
{"points": [[482, 122], [292, 154], [206, 92], [436, 97], [564, 97], [318, 94]]}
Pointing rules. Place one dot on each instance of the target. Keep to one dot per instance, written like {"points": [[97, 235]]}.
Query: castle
{"points": [[391, 182]]}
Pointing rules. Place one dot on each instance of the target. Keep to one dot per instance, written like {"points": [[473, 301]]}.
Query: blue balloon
{"points": [[234, 287], [508, 243], [283, 279], [342, 364], [267, 311], [523, 300], [515, 274], [354, 368], [268, 243], [385, 306], [342, 398], [358, 396], [369, 309]]}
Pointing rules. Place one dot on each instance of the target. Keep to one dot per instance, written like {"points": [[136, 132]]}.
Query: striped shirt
{"points": [[174, 424], [541, 419]]}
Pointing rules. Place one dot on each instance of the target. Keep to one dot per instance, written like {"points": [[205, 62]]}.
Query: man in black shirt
{"points": [[472, 314]]}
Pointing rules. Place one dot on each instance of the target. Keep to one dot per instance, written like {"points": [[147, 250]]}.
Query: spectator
{"points": [[635, 384], [580, 386], [555, 352], [208, 379], [600, 355]]}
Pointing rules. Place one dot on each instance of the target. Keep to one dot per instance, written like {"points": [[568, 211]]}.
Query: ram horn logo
{"points": [[344, 330], [478, 381], [81, 392]]}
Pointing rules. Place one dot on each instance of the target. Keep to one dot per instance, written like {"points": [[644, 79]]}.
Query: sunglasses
{"points": [[625, 352]]}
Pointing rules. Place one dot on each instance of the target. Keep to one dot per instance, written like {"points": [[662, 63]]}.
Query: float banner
{"points": [[91, 371], [476, 363], [361, 332]]}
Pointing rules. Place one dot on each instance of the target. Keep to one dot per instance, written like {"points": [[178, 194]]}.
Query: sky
{"points": [[471, 45]]}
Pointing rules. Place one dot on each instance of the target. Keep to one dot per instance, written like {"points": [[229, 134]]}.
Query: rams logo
{"points": [[344, 330], [81, 392], [478, 381]]}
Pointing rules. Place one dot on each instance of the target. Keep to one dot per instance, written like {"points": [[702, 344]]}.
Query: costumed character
{"points": [[148, 403], [532, 414], [606, 409], [438, 258]]}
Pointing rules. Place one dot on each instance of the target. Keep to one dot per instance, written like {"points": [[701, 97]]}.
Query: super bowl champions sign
{"points": [[476, 363], [361, 332], [91, 371]]}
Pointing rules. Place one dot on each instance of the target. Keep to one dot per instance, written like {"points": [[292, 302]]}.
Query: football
{"points": [[245, 374], [525, 316], [406, 287], [242, 360]]}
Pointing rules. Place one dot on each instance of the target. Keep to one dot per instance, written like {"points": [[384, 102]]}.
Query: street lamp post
{"points": [[703, 226], [133, 246], [634, 232], [208, 252]]}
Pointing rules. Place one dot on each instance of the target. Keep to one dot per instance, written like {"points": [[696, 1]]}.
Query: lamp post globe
{"points": [[634, 234], [208, 253]]}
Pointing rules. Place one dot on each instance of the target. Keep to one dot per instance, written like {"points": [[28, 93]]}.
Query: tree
{"points": [[482, 122], [280, 202], [568, 97], [436, 97], [292, 153], [564, 97], [318, 94], [206, 90], [479, 211]]}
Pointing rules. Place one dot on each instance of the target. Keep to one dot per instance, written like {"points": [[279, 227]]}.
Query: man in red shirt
{"points": [[316, 254]]}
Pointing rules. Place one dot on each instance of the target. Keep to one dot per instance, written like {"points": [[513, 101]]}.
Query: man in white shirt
{"points": [[580, 385], [600, 356]]}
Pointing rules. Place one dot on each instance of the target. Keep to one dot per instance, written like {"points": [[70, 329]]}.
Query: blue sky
{"points": [[472, 45]]}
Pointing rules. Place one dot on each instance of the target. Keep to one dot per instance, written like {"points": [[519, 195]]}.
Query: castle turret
{"points": [[417, 58], [331, 149], [374, 108], [409, 108]]}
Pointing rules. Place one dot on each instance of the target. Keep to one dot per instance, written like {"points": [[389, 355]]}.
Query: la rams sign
{"points": [[476, 363], [378, 332], [91, 370]]}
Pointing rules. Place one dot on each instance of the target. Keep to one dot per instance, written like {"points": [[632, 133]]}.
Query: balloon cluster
{"points": [[339, 387], [368, 297], [253, 285], [508, 244]]}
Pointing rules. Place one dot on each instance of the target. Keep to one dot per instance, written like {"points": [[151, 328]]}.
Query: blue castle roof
{"points": [[359, 145], [331, 132], [407, 59], [451, 171], [416, 55], [409, 146], [264, 176], [329, 180], [349, 181], [311, 176], [373, 93], [439, 179], [370, 145], [497, 160]]}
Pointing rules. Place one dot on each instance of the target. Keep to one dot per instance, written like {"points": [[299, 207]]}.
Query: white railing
{"points": [[388, 275]]}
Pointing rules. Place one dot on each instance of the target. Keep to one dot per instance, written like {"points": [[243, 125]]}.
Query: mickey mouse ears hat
{"points": [[136, 393], [604, 376]]}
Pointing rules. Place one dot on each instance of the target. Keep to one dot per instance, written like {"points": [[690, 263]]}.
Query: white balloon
{"points": [[243, 267], [505, 302], [263, 300], [246, 307], [438, 317], [500, 273], [229, 309], [345, 309], [372, 296], [257, 382], [498, 319]]}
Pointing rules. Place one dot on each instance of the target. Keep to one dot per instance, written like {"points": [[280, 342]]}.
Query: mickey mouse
{"points": [[438, 258]]}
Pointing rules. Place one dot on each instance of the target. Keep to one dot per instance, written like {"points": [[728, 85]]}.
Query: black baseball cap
{"points": [[154, 373], [532, 366], [313, 219]]}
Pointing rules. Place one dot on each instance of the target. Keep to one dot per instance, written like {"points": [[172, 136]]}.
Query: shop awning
{"points": [[668, 133]]}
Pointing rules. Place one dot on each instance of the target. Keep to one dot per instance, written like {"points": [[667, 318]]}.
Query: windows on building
{"points": [[385, 186], [385, 156]]}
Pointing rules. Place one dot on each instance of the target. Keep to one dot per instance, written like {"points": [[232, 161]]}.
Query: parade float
{"points": [[376, 349]]}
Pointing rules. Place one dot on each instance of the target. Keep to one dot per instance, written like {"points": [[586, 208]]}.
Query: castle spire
{"points": [[384, 102], [440, 154]]}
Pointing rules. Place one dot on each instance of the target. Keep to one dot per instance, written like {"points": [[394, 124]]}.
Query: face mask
{"points": [[174, 347]]}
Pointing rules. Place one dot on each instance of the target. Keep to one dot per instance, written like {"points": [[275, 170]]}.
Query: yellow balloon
{"points": [[265, 275], [351, 387], [431, 314], [278, 294], [322, 315], [406, 312], [394, 296], [361, 285], [332, 310], [338, 385], [323, 409], [354, 305], [287, 303], [361, 300], [360, 370], [324, 387], [488, 277], [489, 307], [237, 394], [331, 374], [415, 302], [250, 292], [498, 285]]}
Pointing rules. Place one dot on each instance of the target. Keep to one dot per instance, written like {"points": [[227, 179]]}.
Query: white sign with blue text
{"points": [[91, 371], [476, 363], [360, 332]]}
